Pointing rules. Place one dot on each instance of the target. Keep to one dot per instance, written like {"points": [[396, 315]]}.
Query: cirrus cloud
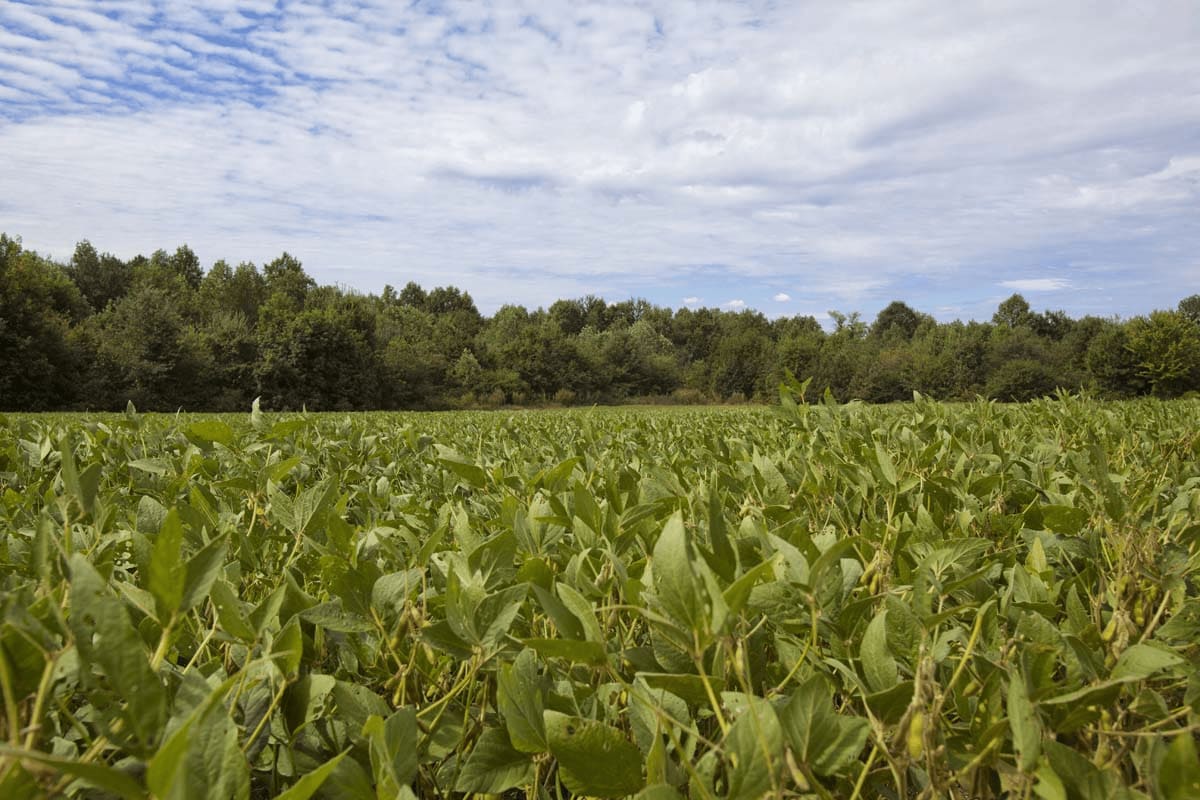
{"points": [[1037, 284], [864, 152]]}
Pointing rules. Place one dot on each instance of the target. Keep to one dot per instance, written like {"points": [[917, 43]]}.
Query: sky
{"points": [[791, 157]]}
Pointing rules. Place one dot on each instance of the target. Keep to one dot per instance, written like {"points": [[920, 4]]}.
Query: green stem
{"points": [[708, 690], [164, 644], [862, 776], [266, 717], [10, 701], [39, 704]]}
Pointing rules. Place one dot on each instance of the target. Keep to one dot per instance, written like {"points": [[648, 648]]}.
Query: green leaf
{"points": [[659, 791], [288, 648], [105, 638], [229, 611], [202, 571], [675, 582], [903, 628], [1178, 775], [739, 592], [494, 765], [205, 432], [498, 611], [685, 587], [519, 698], [754, 751], [166, 573], [569, 626], [1143, 660], [393, 749], [470, 472], [1066, 520], [886, 467], [155, 466], [1023, 720], [201, 759], [579, 652], [84, 486], [718, 534], [1076, 773], [819, 737], [393, 591], [583, 610], [879, 667], [311, 782], [593, 758], [688, 687], [333, 617], [96, 776]]}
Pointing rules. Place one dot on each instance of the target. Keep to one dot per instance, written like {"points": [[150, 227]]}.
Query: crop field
{"points": [[917, 600]]}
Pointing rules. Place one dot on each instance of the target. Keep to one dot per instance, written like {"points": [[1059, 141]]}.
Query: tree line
{"points": [[160, 331]]}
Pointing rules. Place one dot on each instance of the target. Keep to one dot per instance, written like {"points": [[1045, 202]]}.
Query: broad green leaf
{"points": [[497, 612], [676, 584], [754, 751], [583, 610], [333, 617], [201, 759], [201, 572], [1179, 772], [229, 611], [494, 765], [903, 628], [393, 749], [879, 667], [519, 699], [1066, 520], [105, 639], [579, 652], [724, 556], [84, 486], [1143, 660], [205, 432], [569, 626], [304, 788], [1077, 774], [1023, 720], [154, 466], [288, 648], [470, 472], [820, 738], [688, 687], [886, 467], [97, 776], [739, 592], [393, 591], [594, 758], [167, 568]]}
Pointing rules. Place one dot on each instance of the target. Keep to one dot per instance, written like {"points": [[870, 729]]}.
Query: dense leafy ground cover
{"points": [[920, 600]]}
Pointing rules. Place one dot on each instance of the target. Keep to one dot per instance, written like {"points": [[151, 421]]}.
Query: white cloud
{"points": [[1037, 284], [691, 301], [734, 304], [782, 297], [861, 151]]}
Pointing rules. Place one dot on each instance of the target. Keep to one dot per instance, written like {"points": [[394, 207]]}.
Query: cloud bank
{"points": [[852, 152]]}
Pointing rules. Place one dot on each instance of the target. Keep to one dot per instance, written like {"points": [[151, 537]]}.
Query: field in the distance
{"points": [[931, 600]]}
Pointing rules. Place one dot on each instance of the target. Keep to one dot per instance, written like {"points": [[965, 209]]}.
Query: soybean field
{"points": [[925, 600]]}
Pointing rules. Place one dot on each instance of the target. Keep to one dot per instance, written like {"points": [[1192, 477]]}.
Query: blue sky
{"points": [[793, 157]]}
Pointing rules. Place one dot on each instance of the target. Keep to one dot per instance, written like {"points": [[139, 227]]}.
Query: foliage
{"points": [[917, 600], [1166, 345], [98, 332]]}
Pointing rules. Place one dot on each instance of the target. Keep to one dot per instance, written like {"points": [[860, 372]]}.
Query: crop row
{"points": [[925, 600]]}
